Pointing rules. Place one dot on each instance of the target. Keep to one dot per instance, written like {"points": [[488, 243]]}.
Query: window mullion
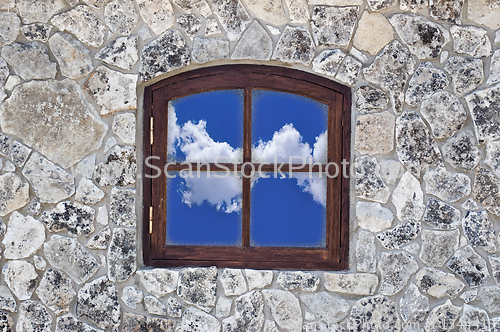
{"points": [[247, 157]]}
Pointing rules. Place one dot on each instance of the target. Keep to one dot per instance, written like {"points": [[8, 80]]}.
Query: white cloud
{"points": [[174, 130], [320, 148], [316, 186]]}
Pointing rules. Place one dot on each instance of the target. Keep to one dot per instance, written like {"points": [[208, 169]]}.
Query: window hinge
{"points": [[150, 220], [151, 136]]}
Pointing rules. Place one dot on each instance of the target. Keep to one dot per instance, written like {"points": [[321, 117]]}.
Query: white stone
{"points": [[443, 315], [413, 6], [484, 12], [203, 8], [210, 49], [362, 284], [373, 216], [400, 235], [37, 31], [30, 61], [471, 40], [25, 235], [443, 57], [328, 62], [195, 320], [295, 46], [21, 278], [438, 246], [298, 11], [109, 144], [86, 167], [100, 239], [232, 16], [254, 44], [461, 151], [438, 283], [285, 309], [258, 278], [122, 207], [9, 28], [124, 127], [88, 193], [14, 194], [158, 14], [446, 185], [269, 11], [270, 326], [469, 265], [33, 317], [413, 248], [373, 33], [233, 282], [248, 314], [212, 27], [144, 32], [474, 317], [391, 171], [12, 82], [273, 30], [7, 300], [38, 10], [336, 2], [333, 26], [121, 16], [190, 24], [8, 166], [425, 81], [359, 55], [395, 269], [15, 151], [291, 280], [366, 252], [479, 230], [375, 133], [75, 218], [374, 313], [467, 74], [4, 74], [327, 308], [69, 323], [493, 78], [369, 184], [469, 296], [40, 263], [102, 215], [413, 305], [73, 58], [445, 114], [121, 52], [122, 254], [159, 282], [223, 307], [408, 198], [55, 291], [349, 71], [376, 5], [174, 307], [154, 306]]}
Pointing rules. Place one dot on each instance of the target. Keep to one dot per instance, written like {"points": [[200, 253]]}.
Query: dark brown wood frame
{"points": [[338, 98]]}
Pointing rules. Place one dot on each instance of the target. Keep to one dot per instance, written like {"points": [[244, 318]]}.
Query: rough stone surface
{"points": [[25, 235], [38, 10], [233, 282], [98, 301], [14, 150], [495, 267], [212, 27], [487, 190], [442, 318], [269, 11], [254, 44], [122, 254], [446, 10], [121, 16], [469, 296], [119, 167], [86, 167], [138, 323], [14, 194], [377, 5], [375, 133], [73, 58], [198, 286], [438, 283], [446, 185], [445, 114], [37, 31], [479, 230], [441, 215], [490, 297], [124, 127], [484, 106], [349, 71], [461, 151], [484, 12], [100, 239], [294, 46], [395, 269], [408, 198], [232, 16], [4, 79], [159, 282], [474, 319], [423, 37], [369, 314], [33, 317], [298, 11], [248, 314], [30, 61], [466, 263], [333, 26], [304, 281], [154, 306], [121, 53], [325, 307], [83, 23], [210, 49], [328, 62], [122, 207], [21, 278], [373, 33], [466, 73], [195, 320], [190, 24], [7, 300], [258, 278], [223, 308], [493, 157], [413, 6], [40, 263], [69, 323], [369, 184], [438, 246], [158, 14], [494, 76], [71, 257], [369, 99], [413, 305], [55, 291], [174, 307], [285, 309], [471, 40], [425, 81], [9, 28], [400, 235], [88, 193], [352, 283], [366, 252], [132, 296], [75, 218]]}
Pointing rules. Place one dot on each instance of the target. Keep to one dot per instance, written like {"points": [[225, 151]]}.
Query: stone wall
{"points": [[425, 195]]}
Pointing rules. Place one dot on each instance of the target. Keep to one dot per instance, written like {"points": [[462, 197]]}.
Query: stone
{"points": [[370, 313], [166, 53], [158, 14], [493, 157], [38, 10], [438, 283], [119, 168], [73, 58], [159, 282], [66, 130], [466, 263], [34, 207], [471, 40], [423, 37], [361, 284], [391, 69], [232, 16], [298, 11], [470, 204], [8, 5], [25, 235], [469, 296], [21, 278], [154, 306], [495, 267], [461, 151], [369, 184], [442, 318], [441, 215], [425, 81], [223, 307], [479, 230], [121, 17], [7, 300], [37, 31], [55, 291], [400, 235], [349, 71], [86, 167], [413, 6], [4, 77], [14, 194], [83, 24], [69, 323], [33, 317], [258, 278], [490, 297], [122, 207], [466, 74], [395, 269], [376, 5], [369, 99], [11, 82], [8, 166], [328, 62], [195, 320], [210, 49], [325, 307], [254, 44], [333, 26], [121, 52], [100, 239], [373, 33], [285, 309], [174, 307], [102, 215], [474, 319], [443, 57], [122, 254], [40, 263], [138, 323], [446, 10], [248, 314], [3, 227], [75, 218], [203, 8], [190, 24], [233, 282], [304, 281], [438, 246], [359, 55], [110, 143], [295, 46], [445, 114], [212, 27], [9, 28], [484, 106], [408, 198], [30, 61], [487, 190], [494, 76], [413, 305], [132, 296], [446, 185], [198, 286], [14, 150], [88, 193], [70, 256], [98, 301], [484, 12], [366, 252], [269, 11]]}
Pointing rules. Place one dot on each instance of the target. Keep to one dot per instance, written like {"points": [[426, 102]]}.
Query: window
{"points": [[233, 211]]}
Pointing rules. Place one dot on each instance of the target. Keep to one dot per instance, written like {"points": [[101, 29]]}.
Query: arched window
{"points": [[246, 167]]}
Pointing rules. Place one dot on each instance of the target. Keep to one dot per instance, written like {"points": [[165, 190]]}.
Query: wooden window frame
{"points": [[335, 256]]}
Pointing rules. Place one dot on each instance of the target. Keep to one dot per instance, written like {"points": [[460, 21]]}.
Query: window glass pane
{"points": [[288, 212], [206, 125], [203, 211], [285, 124]]}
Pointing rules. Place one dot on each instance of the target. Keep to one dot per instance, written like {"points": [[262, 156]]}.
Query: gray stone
{"points": [[121, 53], [33, 317], [494, 76], [352, 283], [203, 8], [110, 143], [74, 59], [285, 309], [100, 239], [30, 61], [349, 71], [442, 318], [484, 106], [328, 62], [174, 307], [121, 16], [325, 307], [373, 33], [7, 300], [233, 282], [70, 256], [441, 215], [3, 227], [37, 31], [76, 218], [471, 40], [132, 296], [159, 282], [122, 254], [425, 81], [461, 151], [198, 286], [391, 69], [248, 314], [212, 28], [14, 194], [86, 167], [119, 167], [122, 207], [69, 323], [400, 235], [446, 185], [423, 37], [166, 53], [304, 281], [484, 12], [470, 204], [466, 263], [413, 305], [232, 16], [30, 12], [298, 11], [223, 307], [446, 10], [369, 184], [269, 11], [24, 236], [8, 166], [98, 301], [21, 278], [138, 323], [55, 291], [369, 99], [395, 269], [371, 313], [376, 5], [195, 320], [495, 267], [154, 306], [210, 49], [479, 230], [487, 190], [40, 263], [466, 73], [88, 193], [438, 246], [474, 319], [333, 26], [469, 296], [9, 28], [366, 252], [158, 14], [190, 24], [295, 46], [438, 283], [102, 215], [15, 151], [254, 44], [445, 114], [258, 278], [408, 198], [83, 23], [4, 79], [124, 127], [490, 297], [7, 4]]}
